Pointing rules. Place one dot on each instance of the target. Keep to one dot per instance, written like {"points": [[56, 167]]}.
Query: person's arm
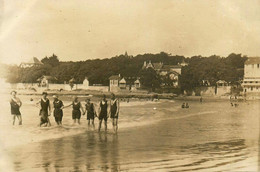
{"points": [[117, 110], [109, 110], [49, 108], [37, 104], [82, 109], [62, 105], [67, 106], [19, 102], [94, 109]]}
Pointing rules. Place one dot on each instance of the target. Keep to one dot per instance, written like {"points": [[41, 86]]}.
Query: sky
{"points": [[88, 29]]}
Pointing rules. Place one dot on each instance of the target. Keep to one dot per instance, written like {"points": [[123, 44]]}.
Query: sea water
{"points": [[152, 136]]}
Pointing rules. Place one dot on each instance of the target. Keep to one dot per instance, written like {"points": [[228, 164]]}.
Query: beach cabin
{"points": [[137, 83], [45, 80], [86, 82], [122, 83], [114, 82]]}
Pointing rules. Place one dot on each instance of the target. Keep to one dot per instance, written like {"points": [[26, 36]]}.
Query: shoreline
{"points": [[134, 95]]}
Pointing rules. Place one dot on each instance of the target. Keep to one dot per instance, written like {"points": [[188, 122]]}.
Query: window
{"points": [[257, 65], [251, 88]]}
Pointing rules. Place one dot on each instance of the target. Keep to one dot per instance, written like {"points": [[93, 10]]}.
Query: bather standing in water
{"points": [[45, 110], [15, 103], [76, 107], [114, 111], [103, 115], [57, 112], [91, 113]]}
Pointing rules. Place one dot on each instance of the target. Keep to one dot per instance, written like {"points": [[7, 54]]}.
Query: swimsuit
{"points": [[103, 112], [76, 113], [114, 109], [15, 108], [90, 111], [58, 113], [44, 110]]}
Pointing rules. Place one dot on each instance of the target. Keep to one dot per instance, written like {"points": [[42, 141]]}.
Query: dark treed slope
{"points": [[98, 71]]}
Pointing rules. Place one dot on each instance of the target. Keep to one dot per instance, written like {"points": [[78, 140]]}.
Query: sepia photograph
{"points": [[129, 85]]}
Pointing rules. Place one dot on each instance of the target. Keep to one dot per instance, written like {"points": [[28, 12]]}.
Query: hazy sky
{"points": [[87, 29]]}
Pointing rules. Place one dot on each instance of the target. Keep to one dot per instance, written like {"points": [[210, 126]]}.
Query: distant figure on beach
{"points": [[58, 112], [183, 105], [15, 103], [200, 99], [187, 105], [91, 113], [114, 111], [103, 113], [45, 110], [76, 107]]}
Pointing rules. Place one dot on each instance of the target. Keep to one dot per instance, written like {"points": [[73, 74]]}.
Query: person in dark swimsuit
{"points": [[76, 107], [57, 112], [114, 111], [16, 103], [103, 112], [45, 110], [91, 113]]}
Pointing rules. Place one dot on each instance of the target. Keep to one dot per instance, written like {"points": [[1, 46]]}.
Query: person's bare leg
{"points": [[116, 124], [88, 123], [99, 126], [74, 120], [14, 119], [105, 122], [48, 122], [93, 124], [113, 123], [20, 119]]}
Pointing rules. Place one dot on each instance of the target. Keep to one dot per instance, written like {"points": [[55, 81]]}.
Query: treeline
{"points": [[98, 71]]}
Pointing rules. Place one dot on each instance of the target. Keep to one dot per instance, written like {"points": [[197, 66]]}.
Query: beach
{"points": [[152, 136]]}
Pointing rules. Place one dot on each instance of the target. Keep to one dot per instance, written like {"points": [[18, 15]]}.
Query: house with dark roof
{"points": [[251, 81], [118, 83], [31, 63], [171, 71]]}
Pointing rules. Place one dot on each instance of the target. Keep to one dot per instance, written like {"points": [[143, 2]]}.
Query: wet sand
{"points": [[212, 136]]}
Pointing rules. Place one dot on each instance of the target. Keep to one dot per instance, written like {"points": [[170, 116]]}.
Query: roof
{"points": [[221, 81], [168, 67], [34, 60], [157, 65], [114, 77], [253, 60], [122, 81], [174, 72]]}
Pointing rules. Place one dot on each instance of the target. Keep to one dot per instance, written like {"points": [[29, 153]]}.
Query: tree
{"points": [[150, 79], [52, 60]]}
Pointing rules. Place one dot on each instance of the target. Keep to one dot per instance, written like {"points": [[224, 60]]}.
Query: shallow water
{"points": [[212, 136]]}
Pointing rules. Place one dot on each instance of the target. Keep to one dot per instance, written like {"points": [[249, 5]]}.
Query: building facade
{"points": [[251, 81], [172, 72]]}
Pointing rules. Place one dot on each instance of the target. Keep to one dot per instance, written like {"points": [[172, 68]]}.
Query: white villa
{"points": [[251, 81]]}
